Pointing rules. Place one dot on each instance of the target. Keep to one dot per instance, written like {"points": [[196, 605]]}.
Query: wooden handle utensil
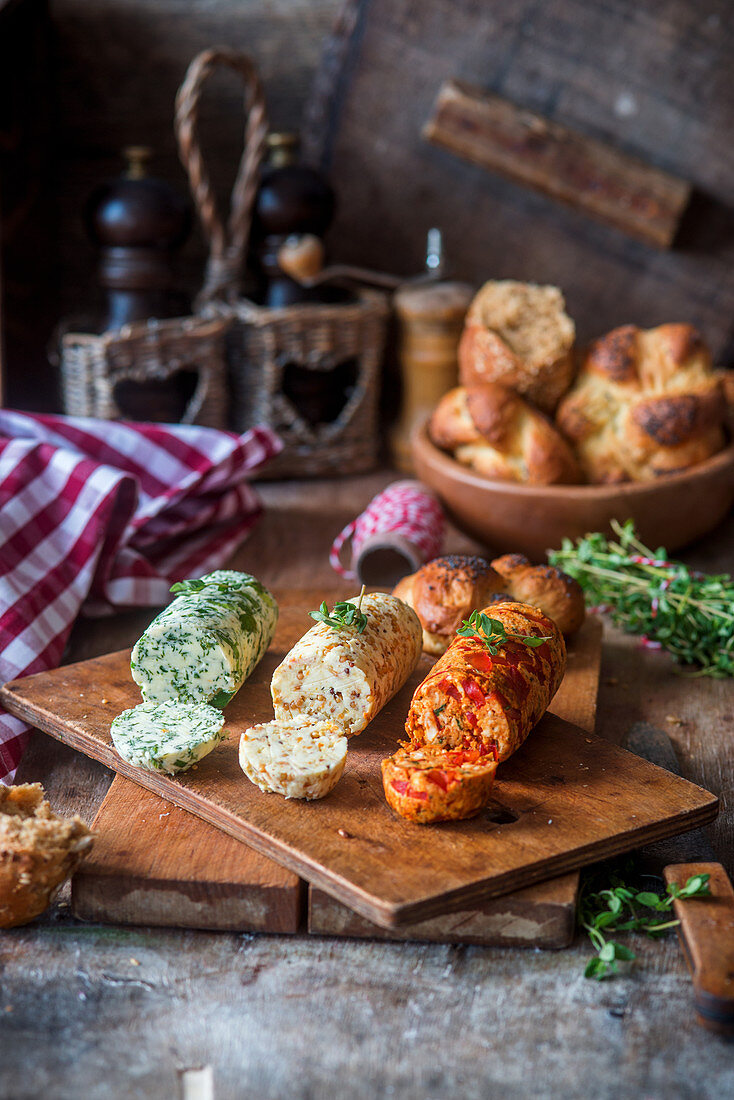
{"points": [[706, 932]]}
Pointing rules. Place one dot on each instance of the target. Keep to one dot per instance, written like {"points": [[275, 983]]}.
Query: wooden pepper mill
{"points": [[137, 222], [292, 200], [430, 321]]}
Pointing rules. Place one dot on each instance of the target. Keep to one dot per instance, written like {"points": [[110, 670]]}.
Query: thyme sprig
{"points": [[344, 614], [672, 607], [621, 908], [493, 634]]}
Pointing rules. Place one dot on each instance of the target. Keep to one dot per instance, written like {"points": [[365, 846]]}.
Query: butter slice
{"points": [[167, 737], [293, 757]]}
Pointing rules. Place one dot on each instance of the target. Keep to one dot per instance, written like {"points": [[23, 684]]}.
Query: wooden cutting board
{"points": [[567, 798], [174, 869]]}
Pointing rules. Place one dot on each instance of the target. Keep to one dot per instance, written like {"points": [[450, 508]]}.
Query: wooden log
{"points": [[604, 183]]}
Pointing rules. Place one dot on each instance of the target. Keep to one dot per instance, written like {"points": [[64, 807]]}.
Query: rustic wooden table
{"points": [[97, 1012]]}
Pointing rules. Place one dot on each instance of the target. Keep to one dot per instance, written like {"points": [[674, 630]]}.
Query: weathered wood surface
{"points": [[154, 864], [297, 1016], [649, 79], [566, 799], [146, 873], [585, 174]]}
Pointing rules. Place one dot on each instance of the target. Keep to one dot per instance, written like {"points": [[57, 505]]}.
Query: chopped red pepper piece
{"points": [[422, 796], [474, 692], [480, 660], [439, 778], [399, 785], [449, 689]]}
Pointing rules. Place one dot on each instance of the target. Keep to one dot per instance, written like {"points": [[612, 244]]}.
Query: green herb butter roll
{"points": [[347, 668], [167, 737], [205, 644]]}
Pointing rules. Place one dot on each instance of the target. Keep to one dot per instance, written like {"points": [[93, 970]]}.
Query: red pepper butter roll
{"points": [[473, 699], [429, 784]]}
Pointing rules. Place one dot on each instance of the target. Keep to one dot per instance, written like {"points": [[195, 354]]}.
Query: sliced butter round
{"points": [[293, 757], [167, 737]]}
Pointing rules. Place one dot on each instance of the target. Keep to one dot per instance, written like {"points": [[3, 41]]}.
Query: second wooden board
{"points": [[566, 799]]}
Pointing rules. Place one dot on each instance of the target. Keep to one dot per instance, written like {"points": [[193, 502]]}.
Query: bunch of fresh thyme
{"points": [[344, 614], [672, 607], [493, 634], [621, 908]]}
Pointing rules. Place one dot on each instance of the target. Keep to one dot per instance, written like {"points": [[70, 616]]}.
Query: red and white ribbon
{"points": [[405, 508]]}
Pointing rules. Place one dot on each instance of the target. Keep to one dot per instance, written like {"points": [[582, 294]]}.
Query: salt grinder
{"points": [[430, 321]]}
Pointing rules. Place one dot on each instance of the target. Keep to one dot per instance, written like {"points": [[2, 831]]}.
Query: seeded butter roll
{"points": [[205, 644], [294, 759], [167, 737], [473, 700], [346, 676], [428, 784]]}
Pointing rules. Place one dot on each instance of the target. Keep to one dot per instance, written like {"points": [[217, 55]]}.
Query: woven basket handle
{"points": [[227, 244]]}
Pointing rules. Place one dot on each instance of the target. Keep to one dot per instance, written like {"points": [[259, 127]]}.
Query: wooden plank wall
{"points": [[651, 79]]}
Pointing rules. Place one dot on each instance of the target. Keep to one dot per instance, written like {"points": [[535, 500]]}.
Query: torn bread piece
{"points": [[38, 851], [167, 737], [294, 757]]}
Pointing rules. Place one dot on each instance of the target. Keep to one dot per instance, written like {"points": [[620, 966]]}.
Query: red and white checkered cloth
{"points": [[98, 514]]}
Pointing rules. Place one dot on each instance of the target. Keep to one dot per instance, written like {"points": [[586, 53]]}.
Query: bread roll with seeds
{"points": [[38, 851]]}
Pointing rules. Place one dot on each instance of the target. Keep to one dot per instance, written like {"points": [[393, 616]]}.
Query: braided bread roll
{"points": [[645, 404], [520, 335]]}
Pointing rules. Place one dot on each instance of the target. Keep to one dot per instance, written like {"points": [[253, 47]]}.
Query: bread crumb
{"points": [[674, 719], [134, 962]]}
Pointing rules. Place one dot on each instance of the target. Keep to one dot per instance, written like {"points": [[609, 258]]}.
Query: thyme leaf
{"points": [[492, 633], [672, 607]]}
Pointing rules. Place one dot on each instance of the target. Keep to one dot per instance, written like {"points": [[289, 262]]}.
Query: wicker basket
{"points": [[93, 367], [263, 344]]}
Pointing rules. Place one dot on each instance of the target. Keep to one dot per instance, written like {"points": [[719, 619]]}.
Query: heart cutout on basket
{"points": [[319, 396], [162, 400]]}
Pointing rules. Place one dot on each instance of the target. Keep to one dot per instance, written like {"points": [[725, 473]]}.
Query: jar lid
{"points": [[440, 301]]}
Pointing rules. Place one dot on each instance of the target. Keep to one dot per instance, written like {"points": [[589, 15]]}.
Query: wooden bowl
{"points": [[532, 519]]}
